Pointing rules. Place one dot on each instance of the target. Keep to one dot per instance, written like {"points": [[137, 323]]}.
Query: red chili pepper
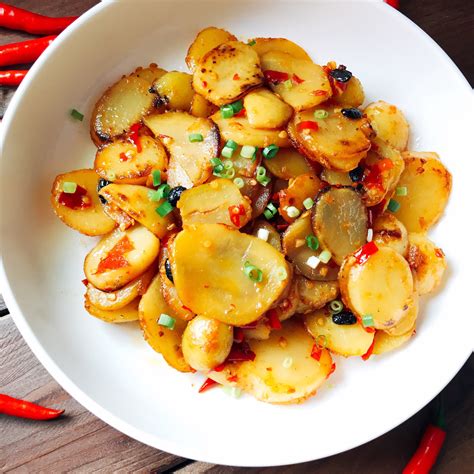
{"points": [[232, 378], [208, 383], [123, 157], [249, 326], [134, 137], [23, 409], [235, 212], [242, 113], [333, 369], [236, 77], [273, 319], [186, 308], [363, 254], [319, 92], [296, 79], [393, 3], [439, 253], [276, 77], [369, 350], [316, 352], [240, 353], [15, 18], [115, 258], [85, 282], [12, 78], [307, 125], [76, 200], [239, 335], [220, 367], [24, 52]]}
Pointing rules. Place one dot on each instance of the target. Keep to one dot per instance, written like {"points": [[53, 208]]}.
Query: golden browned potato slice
{"points": [[121, 106], [120, 257], [381, 287], [408, 322], [343, 339], [240, 131], [227, 72], [121, 315], [175, 90], [119, 161], [215, 203], [123, 220], [108, 301], [337, 178], [150, 73], [136, 202], [258, 194], [206, 40], [213, 273], [390, 232], [339, 143], [316, 294], [352, 96], [389, 123], [163, 340], [427, 261], [200, 107], [265, 45], [429, 185], [309, 83], [384, 342], [81, 210], [189, 162], [288, 164], [265, 231], [265, 110]]}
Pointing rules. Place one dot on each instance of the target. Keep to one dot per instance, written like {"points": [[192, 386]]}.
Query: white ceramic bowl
{"points": [[110, 369]]}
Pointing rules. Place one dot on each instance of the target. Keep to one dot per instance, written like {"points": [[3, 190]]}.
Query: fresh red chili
{"points": [[23, 409], [242, 113], [240, 353], [374, 178], [369, 351], [123, 157], [296, 79], [235, 212], [12, 78], [24, 52], [249, 326], [316, 352], [15, 18], [76, 200], [85, 282], [236, 77], [319, 92], [333, 369], [232, 378], [239, 335], [273, 319], [363, 254], [439, 253], [276, 77], [208, 383], [393, 3], [307, 125], [134, 137], [115, 258]]}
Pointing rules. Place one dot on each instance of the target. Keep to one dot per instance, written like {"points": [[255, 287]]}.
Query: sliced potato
{"points": [[121, 106], [316, 294], [240, 131], [260, 332], [150, 73], [336, 178], [136, 202], [81, 210], [340, 221], [384, 342], [408, 322], [121, 315], [390, 232], [175, 90], [123, 220], [200, 107], [339, 143], [389, 123], [214, 203], [208, 267], [259, 195], [427, 261], [108, 301], [245, 167], [189, 163], [119, 160], [162, 339], [352, 96], [120, 257], [227, 72], [370, 289], [206, 40], [429, 186], [290, 303], [265, 231], [343, 339], [265, 45], [288, 164], [310, 84], [265, 110]]}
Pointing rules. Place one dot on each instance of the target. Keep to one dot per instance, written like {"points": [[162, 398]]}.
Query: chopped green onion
{"points": [[156, 177], [163, 191], [229, 174], [111, 176], [270, 211], [228, 164], [232, 145], [287, 362], [233, 392], [237, 106], [288, 84], [293, 212], [325, 256], [261, 176], [216, 161], [239, 182], [218, 166], [69, 187], [393, 205], [282, 274], [270, 151], [227, 152], [308, 203], [370, 235], [166, 321], [252, 43], [164, 209], [248, 151], [195, 137], [254, 273], [401, 191], [154, 195], [76, 115], [227, 111], [312, 242], [368, 321], [321, 114], [321, 341], [336, 306]]}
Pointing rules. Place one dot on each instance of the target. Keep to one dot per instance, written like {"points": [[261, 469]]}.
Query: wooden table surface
{"points": [[80, 442]]}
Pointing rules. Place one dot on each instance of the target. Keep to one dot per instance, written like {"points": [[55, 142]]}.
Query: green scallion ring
{"points": [[288, 84], [270, 151], [227, 111], [153, 195], [253, 272], [312, 242], [76, 115], [237, 106], [231, 144], [321, 114], [393, 205], [308, 203], [227, 152], [368, 321], [69, 187], [164, 209], [195, 137], [239, 182], [166, 321], [336, 306], [163, 191], [321, 341], [156, 174], [293, 212], [401, 191], [325, 256], [228, 164], [248, 151], [229, 174]]}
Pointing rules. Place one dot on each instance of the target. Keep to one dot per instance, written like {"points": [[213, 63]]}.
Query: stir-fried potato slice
{"points": [[260, 332], [206, 39], [81, 210], [201, 107], [427, 261], [121, 315], [381, 287], [123, 220], [189, 162], [339, 143], [408, 322], [265, 45], [120, 257], [240, 131], [265, 231], [316, 294], [265, 110], [175, 90], [390, 232], [211, 273], [215, 203], [429, 185], [343, 339], [259, 195], [136, 202], [352, 96], [384, 342], [119, 160], [310, 84], [389, 123], [336, 178], [163, 340], [288, 164], [150, 74]]}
